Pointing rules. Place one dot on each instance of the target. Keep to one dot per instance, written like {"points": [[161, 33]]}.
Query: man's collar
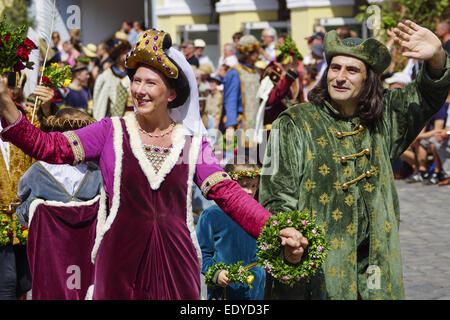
{"points": [[335, 113]]}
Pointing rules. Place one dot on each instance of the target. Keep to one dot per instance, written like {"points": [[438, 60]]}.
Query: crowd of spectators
{"points": [[422, 162]]}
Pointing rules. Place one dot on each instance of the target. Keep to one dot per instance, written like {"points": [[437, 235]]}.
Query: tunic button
{"points": [[343, 160], [367, 151], [360, 127], [345, 187], [339, 135], [368, 174]]}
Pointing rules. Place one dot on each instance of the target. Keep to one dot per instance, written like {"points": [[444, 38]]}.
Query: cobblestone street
{"points": [[425, 240]]}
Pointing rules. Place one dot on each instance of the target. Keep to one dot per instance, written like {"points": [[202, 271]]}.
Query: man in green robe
{"points": [[332, 157]]}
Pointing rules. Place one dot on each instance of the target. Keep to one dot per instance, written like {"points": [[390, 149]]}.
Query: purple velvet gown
{"points": [[58, 236], [145, 245], [149, 228]]}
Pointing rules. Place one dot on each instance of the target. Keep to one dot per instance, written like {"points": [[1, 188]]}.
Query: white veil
{"points": [[189, 112]]}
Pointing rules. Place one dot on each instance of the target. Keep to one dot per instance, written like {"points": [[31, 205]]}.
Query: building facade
{"points": [[217, 21]]}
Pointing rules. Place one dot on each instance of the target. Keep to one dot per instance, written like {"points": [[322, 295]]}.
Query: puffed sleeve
{"points": [[51, 147], [407, 110], [70, 147]]}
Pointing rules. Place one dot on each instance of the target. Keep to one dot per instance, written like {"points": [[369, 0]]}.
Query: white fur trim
{"points": [[193, 157], [101, 212], [178, 141], [35, 203], [103, 223], [101, 219], [89, 293]]}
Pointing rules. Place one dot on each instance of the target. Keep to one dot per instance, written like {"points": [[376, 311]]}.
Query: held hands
{"points": [[294, 244], [420, 43]]}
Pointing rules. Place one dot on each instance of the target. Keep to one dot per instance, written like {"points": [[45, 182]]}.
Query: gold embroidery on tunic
{"points": [[336, 243], [386, 226], [349, 200], [352, 258], [322, 141], [309, 185], [324, 170], [369, 187], [310, 155], [351, 229], [337, 214], [324, 199], [332, 272]]}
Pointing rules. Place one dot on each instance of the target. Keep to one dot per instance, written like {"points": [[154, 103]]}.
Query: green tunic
{"points": [[307, 172]]}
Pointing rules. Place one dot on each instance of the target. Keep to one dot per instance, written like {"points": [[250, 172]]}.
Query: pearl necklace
{"points": [[167, 131]]}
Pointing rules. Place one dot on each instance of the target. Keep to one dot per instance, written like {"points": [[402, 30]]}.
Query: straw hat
{"points": [[120, 35], [90, 50]]}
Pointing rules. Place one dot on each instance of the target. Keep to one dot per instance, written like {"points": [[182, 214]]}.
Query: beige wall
{"points": [[171, 23], [4, 4], [303, 21], [232, 22]]}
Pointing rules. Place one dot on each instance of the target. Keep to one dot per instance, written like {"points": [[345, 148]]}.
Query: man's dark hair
{"points": [[370, 104], [237, 35]]}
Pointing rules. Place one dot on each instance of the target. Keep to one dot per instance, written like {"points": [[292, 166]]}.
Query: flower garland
{"points": [[15, 48], [6, 231], [21, 233], [269, 246], [288, 49], [236, 273], [236, 175], [56, 77]]}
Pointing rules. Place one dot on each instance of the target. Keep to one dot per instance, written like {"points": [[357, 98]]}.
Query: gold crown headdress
{"points": [[150, 50]]}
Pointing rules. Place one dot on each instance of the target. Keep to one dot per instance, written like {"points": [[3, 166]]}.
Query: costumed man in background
{"points": [[111, 90], [15, 277], [335, 156], [287, 80], [240, 88]]}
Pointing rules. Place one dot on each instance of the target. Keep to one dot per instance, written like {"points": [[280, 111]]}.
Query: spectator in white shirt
{"points": [[268, 39], [229, 55]]}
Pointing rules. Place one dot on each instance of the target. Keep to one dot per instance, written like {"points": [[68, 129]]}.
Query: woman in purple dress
{"points": [[145, 245]]}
